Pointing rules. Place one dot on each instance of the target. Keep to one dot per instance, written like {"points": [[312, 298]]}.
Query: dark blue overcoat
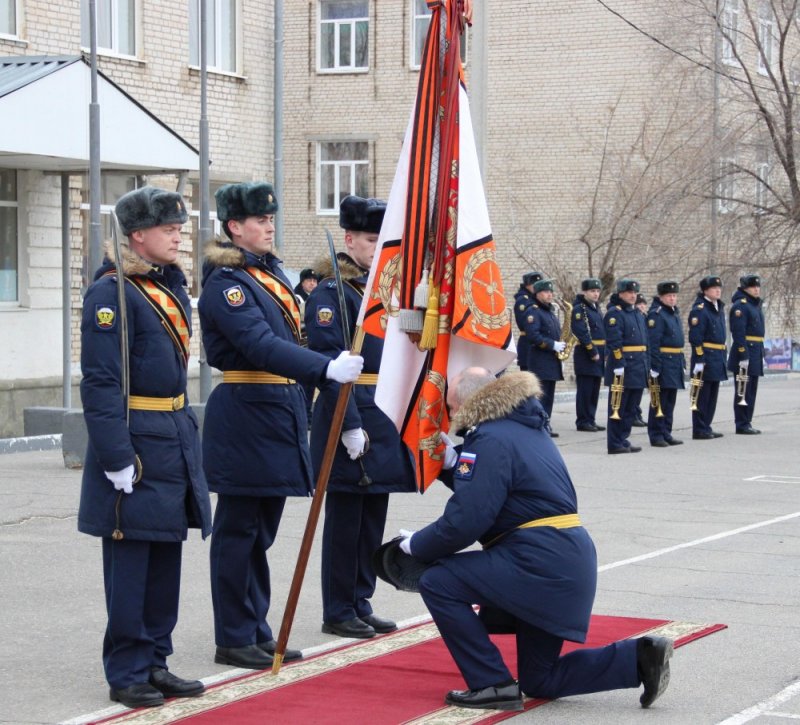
{"points": [[172, 494], [587, 326], [542, 329], [387, 462], [544, 576], [523, 299], [255, 435], [747, 323], [626, 333], [707, 325], [665, 330]]}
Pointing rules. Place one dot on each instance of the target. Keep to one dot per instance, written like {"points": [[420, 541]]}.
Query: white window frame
{"points": [[766, 39], [215, 16], [337, 68], [338, 165], [106, 209], [13, 33], [726, 185], [114, 49], [15, 303], [416, 63], [730, 23]]}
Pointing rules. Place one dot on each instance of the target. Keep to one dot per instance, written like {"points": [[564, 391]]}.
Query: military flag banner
{"points": [[435, 292]]}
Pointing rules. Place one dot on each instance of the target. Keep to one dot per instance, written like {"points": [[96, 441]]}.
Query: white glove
{"points": [[345, 368], [450, 453], [405, 544], [122, 480], [744, 364], [698, 368], [619, 371], [354, 441], [559, 346], [654, 374]]}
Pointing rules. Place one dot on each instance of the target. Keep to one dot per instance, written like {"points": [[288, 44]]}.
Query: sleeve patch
{"points": [[234, 296], [530, 318], [738, 313], [577, 315], [694, 321], [325, 316], [651, 323], [522, 306], [105, 317], [612, 321], [466, 465]]}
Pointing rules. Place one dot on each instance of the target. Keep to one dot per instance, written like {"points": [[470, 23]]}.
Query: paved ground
{"points": [[705, 532]]}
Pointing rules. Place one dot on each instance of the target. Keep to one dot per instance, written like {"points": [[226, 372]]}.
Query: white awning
{"points": [[44, 121]]}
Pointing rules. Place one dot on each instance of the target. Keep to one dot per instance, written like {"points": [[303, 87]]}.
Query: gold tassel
{"points": [[430, 328]]}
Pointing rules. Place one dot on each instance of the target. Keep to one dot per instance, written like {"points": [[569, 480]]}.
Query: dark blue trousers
{"points": [[244, 529], [354, 525], [619, 431], [542, 671], [743, 414], [660, 429], [586, 397], [142, 582], [548, 396], [706, 407]]}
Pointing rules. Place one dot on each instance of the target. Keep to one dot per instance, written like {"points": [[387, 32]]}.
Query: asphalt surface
{"points": [[704, 532]]}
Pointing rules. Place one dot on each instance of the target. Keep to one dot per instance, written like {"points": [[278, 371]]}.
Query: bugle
{"points": [[615, 393], [694, 390], [655, 395], [742, 378]]}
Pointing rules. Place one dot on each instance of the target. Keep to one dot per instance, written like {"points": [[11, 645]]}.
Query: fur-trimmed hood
{"points": [[347, 267], [224, 254], [511, 395], [132, 264]]}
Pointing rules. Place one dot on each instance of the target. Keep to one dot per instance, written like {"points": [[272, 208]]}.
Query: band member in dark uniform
{"points": [[638, 420], [747, 350], [523, 299], [665, 344], [707, 338], [372, 460], [589, 355]]}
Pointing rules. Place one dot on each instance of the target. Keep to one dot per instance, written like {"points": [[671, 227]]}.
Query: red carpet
{"points": [[398, 678]]}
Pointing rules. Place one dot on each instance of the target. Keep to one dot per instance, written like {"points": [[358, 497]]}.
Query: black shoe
{"points": [[703, 436], [675, 442], [599, 427], [652, 663], [496, 697], [141, 694], [249, 657], [659, 444], [588, 428], [553, 434], [639, 423], [379, 624], [349, 628], [614, 451], [634, 449], [714, 434], [170, 685], [750, 431], [288, 656]]}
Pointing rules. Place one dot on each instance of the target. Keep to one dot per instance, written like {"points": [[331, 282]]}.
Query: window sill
{"points": [[14, 40], [327, 212], [113, 55], [342, 71], [195, 70], [15, 306]]}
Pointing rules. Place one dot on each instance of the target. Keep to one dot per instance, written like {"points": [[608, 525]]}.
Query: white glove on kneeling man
{"points": [[405, 544], [345, 368], [450, 453]]}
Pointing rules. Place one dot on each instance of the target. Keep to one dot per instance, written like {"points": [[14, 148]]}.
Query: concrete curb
{"points": [[26, 444]]}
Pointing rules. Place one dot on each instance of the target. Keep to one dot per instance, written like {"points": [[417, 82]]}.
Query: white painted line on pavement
{"points": [[697, 542], [765, 706], [767, 478]]}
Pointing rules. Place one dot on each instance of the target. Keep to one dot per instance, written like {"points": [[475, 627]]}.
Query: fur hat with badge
{"points": [[239, 201], [357, 214], [149, 207]]}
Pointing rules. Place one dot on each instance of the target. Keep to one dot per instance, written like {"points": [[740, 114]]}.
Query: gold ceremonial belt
{"points": [[367, 379], [598, 342], [565, 521], [254, 376], [713, 346], [142, 402], [634, 348], [753, 338], [675, 350]]}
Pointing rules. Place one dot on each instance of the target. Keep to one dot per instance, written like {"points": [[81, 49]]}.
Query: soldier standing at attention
{"points": [[523, 299], [143, 483], [707, 338], [638, 420], [626, 337], [372, 460], [543, 332], [255, 446], [589, 355], [665, 344], [747, 349]]}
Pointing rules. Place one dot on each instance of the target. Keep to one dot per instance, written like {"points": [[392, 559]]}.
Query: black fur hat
{"points": [[396, 567], [710, 281], [149, 207], [750, 280], [357, 214], [591, 283], [543, 285], [666, 288], [627, 285], [532, 277], [239, 201]]}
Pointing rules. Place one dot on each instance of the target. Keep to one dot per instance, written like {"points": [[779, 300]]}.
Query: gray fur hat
{"points": [[396, 567], [149, 207], [239, 201]]}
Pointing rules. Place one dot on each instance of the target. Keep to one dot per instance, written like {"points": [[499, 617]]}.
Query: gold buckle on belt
{"points": [[367, 379], [634, 348], [255, 376], [671, 349], [143, 402]]}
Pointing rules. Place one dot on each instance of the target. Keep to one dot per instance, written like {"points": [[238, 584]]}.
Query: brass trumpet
{"points": [[694, 390], [742, 378], [655, 395], [616, 390]]}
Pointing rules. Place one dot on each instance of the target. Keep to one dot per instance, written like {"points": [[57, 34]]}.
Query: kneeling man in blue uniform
{"points": [[537, 573]]}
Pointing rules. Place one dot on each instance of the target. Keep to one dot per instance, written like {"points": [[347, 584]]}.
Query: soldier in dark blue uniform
{"points": [[255, 447], [372, 460], [589, 355], [143, 483], [536, 576], [543, 332], [638, 420], [707, 338], [665, 345], [626, 339], [523, 299], [747, 349]]}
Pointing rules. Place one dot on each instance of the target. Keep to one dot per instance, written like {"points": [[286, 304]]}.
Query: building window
{"points": [[116, 26], [420, 21], [9, 238], [343, 35], [729, 23], [766, 30], [726, 186], [8, 17], [342, 169], [221, 19]]}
